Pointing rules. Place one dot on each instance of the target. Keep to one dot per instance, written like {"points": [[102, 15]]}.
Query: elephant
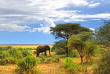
{"points": [[42, 49]]}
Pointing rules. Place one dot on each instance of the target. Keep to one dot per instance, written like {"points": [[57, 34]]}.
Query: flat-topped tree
{"points": [[65, 31]]}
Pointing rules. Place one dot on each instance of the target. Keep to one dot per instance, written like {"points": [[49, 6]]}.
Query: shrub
{"points": [[42, 58], [73, 54], [56, 59], [16, 53], [48, 60], [26, 63], [21, 49], [103, 64], [5, 48], [4, 54], [70, 66], [3, 62], [8, 60], [53, 48], [69, 63], [60, 51], [35, 52], [25, 53], [98, 51]]}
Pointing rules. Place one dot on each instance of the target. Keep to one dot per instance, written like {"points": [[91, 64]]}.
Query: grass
{"points": [[52, 67]]}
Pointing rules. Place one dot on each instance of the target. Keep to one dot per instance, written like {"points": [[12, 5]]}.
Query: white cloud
{"points": [[13, 28], [94, 5], [92, 29], [16, 13]]}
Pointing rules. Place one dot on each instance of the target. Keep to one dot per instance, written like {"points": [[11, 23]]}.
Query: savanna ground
{"points": [[45, 68]]}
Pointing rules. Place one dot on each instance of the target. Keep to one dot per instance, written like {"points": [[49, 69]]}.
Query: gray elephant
{"points": [[42, 49]]}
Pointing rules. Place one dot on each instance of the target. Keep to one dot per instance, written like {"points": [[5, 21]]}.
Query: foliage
{"points": [[83, 43], [26, 63], [48, 60], [2, 62], [4, 54], [25, 53], [64, 31], [73, 53], [8, 60], [103, 34], [98, 51], [104, 63], [53, 48], [5, 48], [56, 59], [69, 63], [16, 53], [42, 58], [35, 52], [70, 66], [60, 47]]}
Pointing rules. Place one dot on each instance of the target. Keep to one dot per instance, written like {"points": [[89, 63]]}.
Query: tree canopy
{"points": [[103, 34], [65, 31], [82, 43]]}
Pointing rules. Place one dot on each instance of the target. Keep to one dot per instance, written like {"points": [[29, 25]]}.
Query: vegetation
{"points": [[74, 43], [103, 64], [60, 47], [103, 34], [26, 63], [65, 31], [70, 66], [83, 44]]}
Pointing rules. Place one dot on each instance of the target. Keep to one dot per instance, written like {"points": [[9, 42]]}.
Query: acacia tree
{"points": [[65, 31], [82, 43]]}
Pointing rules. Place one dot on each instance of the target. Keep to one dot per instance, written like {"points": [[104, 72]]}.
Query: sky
{"points": [[29, 21]]}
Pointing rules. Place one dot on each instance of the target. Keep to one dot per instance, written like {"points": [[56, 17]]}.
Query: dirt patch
{"points": [[7, 69]]}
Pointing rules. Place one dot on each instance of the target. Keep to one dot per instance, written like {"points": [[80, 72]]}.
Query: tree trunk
{"points": [[67, 51], [81, 59]]}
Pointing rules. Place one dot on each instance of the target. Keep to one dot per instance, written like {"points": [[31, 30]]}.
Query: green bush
{"points": [[103, 64], [25, 53], [2, 62], [8, 60], [98, 51], [60, 51], [42, 58], [5, 48], [73, 54], [4, 54], [70, 66], [56, 59], [53, 49], [35, 52], [48, 60], [69, 63], [15, 53], [26, 63]]}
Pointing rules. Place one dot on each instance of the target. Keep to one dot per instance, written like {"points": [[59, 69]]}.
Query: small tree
{"points": [[82, 44]]}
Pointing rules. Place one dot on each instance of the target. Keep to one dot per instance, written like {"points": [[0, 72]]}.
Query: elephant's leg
{"points": [[45, 53], [37, 54]]}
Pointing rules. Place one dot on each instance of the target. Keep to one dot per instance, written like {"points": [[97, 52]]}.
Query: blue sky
{"points": [[29, 21]]}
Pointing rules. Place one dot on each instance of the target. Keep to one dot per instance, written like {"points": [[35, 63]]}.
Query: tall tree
{"points": [[65, 31], [103, 34]]}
